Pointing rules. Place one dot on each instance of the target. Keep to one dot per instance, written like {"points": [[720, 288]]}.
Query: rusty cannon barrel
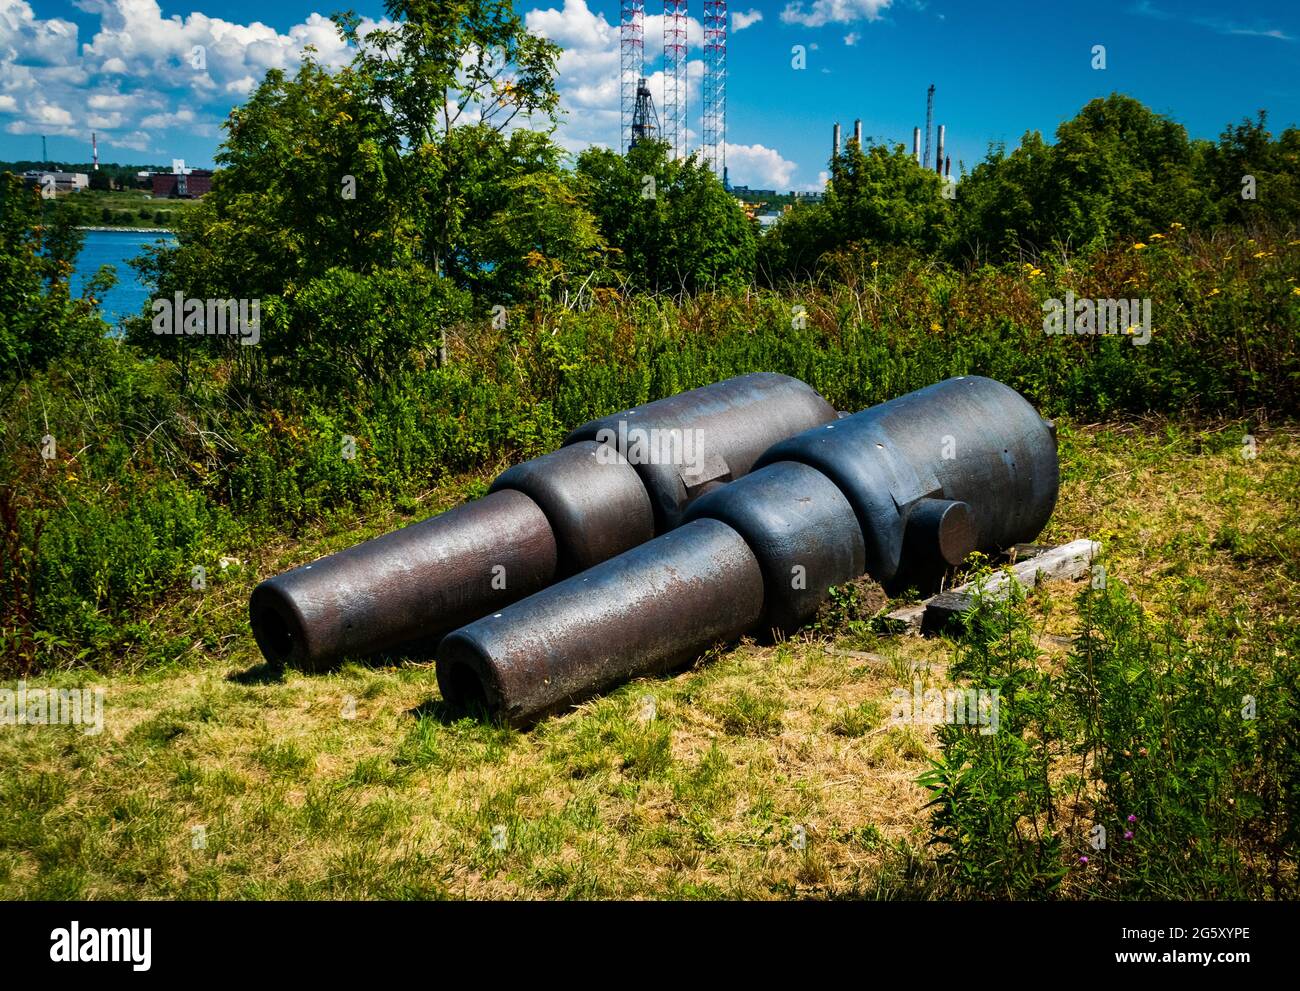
{"points": [[689, 444], [900, 489], [962, 465], [614, 484]]}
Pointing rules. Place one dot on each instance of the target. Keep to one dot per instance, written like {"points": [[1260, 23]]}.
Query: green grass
{"points": [[125, 208], [355, 784]]}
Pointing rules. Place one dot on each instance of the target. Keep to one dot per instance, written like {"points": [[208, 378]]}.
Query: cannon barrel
{"points": [[614, 484], [730, 425], [901, 489], [965, 464], [645, 610]]}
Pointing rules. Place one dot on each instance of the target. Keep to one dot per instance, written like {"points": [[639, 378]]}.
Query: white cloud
{"points": [[136, 141], [824, 12], [138, 66], [760, 167], [852, 38], [181, 118], [108, 101], [744, 19]]}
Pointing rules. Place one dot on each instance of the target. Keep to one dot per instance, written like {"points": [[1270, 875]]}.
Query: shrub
{"points": [[1158, 764]]}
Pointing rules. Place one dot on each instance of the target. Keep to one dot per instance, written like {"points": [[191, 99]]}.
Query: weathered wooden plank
{"points": [[1066, 561]]}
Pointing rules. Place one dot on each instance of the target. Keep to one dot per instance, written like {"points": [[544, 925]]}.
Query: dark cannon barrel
{"points": [[594, 501], [550, 517], [802, 530], [731, 424], [419, 581], [969, 440], [656, 605], [896, 491]]}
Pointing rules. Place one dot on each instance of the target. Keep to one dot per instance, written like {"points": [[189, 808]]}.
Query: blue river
{"points": [[128, 297]]}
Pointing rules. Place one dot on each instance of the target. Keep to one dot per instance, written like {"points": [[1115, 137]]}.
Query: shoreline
{"points": [[132, 230]]}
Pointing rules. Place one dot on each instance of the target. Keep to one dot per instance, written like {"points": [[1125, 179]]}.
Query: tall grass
{"points": [[153, 477]]}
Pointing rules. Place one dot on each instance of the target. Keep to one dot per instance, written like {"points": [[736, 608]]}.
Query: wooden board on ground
{"points": [[1066, 561]]}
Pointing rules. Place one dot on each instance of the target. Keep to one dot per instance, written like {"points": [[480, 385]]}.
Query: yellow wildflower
{"points": [[1213, 292], [1295, 291], [1261, 254], [1155, 237], [1139, 246]]}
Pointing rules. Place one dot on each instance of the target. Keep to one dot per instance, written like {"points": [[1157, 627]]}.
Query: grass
{"points": [[124, 206], [359, 784]]}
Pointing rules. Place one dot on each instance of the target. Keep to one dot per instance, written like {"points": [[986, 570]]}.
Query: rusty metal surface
{"points": [[969, 439], [412, 586], [735, 421], [802, 530], [414, 583], [594, 501], [896, 491], [646, 610]]}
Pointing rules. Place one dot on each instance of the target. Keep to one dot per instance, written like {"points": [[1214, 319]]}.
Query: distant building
{"points": [[64, 182], [745, 193], [809, 197], [186, 184]]}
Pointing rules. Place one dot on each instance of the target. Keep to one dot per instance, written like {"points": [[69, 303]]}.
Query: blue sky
{"points": [[122, 68]]}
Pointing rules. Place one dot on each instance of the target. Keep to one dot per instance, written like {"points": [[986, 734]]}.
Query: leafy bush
{"points": [[1160, 763], [40, 320]]}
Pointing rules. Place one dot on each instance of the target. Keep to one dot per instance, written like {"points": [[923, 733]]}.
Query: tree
{"points": [[1273, 167], [40, 320], [1116, 171], [525, 233], [876, 196], [401, 165], [445, 63], [670, 223]]}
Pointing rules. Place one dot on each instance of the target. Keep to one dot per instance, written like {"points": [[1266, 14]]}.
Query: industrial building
{"points": [[64, 182], [183, 184]]}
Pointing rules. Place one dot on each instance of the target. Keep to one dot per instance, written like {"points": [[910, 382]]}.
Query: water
{"points": [[128, 297]]}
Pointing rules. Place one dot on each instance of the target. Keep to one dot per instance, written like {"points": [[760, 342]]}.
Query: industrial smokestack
{"points": [[916, 144], [938, 159], [857, 133], [947, 167], [835, 142], [94, 147], [929, 125]]}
